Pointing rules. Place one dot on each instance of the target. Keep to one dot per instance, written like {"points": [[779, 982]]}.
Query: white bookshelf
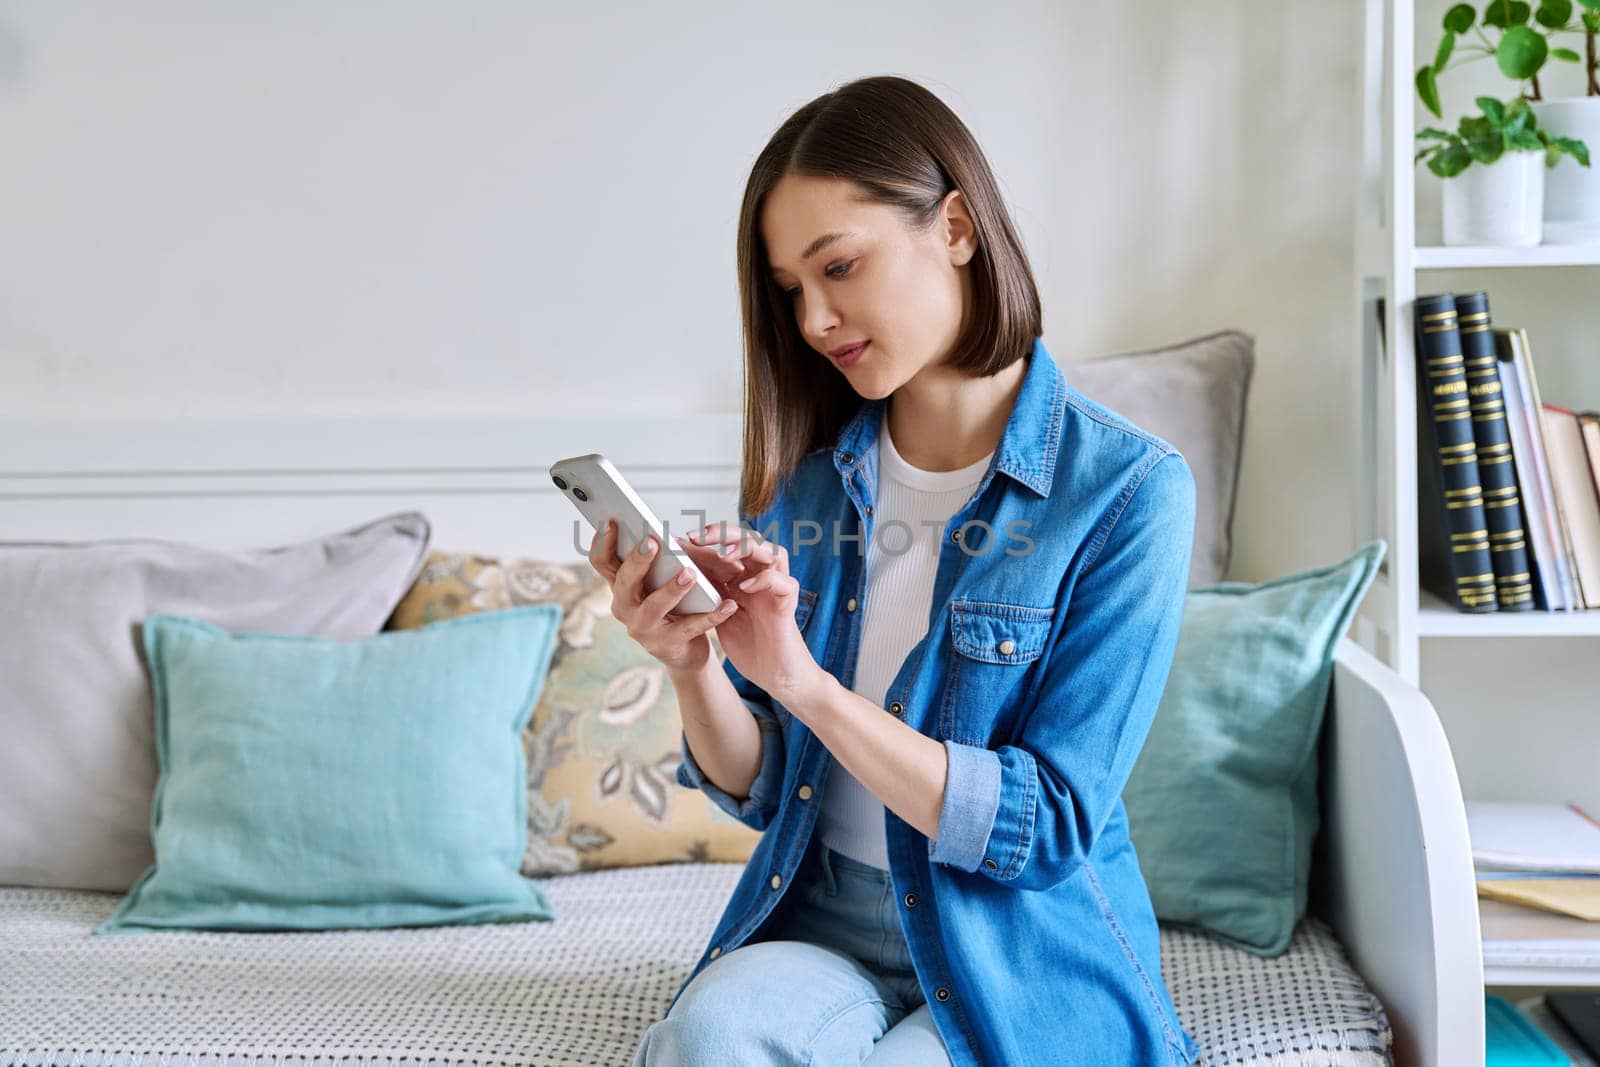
{"points": [[1398, 616]]}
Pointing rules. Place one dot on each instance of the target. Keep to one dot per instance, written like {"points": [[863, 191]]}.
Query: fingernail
{"points": [[647, 546], [727, 607], [683, 577], [746, 583]]}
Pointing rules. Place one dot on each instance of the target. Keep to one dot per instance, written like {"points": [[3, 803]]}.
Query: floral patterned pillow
{"points": [[603, 743]]}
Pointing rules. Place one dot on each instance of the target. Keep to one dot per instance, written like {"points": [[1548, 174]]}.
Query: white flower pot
{"points": [[1499, 203], [1571, 191]]}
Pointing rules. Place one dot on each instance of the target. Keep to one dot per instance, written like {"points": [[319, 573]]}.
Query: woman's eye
{"points": [[841, 268]]}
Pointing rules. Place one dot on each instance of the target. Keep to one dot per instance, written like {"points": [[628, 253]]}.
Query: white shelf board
{"points": [[1435, 618], [1468, 257], [1540, 976]]}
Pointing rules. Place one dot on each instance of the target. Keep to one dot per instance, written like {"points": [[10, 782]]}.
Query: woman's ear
{"points": [[960, 234]]}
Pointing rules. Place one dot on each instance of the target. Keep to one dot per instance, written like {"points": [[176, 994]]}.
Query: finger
{"points": [[663, 600], [630, 575], [764, 552], [707, 558], [692, 626], [602, 551], [780, 584], [720, 533]]}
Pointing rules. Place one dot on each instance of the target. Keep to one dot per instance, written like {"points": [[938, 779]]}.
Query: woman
{"points": [[950, 609]]}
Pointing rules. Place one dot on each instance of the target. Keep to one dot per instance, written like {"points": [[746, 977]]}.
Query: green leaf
{"points": [[1518, 117], [1451, 161], [1591, 21], [1554, 13], [1475, 128], [1566, 55], [1574, 148], [1592, 5], [1492, 109], [1430, 133], [1428, 89], [1498, 13], [1523, 141], [1520, 13], [1447, 44], [1459, 18], [1486, 150], [1521, 53]]}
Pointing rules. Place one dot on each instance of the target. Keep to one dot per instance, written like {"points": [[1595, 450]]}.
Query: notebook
{"points": [[1533, 837]]}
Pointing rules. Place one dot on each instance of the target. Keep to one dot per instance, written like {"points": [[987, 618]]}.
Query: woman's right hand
{"points": [[679, 643]]}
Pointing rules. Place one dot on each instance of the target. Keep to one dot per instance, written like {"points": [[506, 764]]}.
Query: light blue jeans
{"points": [[832, 983]]}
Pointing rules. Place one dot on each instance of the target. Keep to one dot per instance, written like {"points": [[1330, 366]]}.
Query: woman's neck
{"points": [[942, 421]]}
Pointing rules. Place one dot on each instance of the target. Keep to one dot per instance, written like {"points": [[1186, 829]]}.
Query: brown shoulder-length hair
{"points": [[901, 146]]}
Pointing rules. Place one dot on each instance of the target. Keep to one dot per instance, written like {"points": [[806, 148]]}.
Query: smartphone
{"points": [[600, 492]]}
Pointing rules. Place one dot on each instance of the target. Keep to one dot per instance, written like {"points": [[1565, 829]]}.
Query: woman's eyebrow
{"points": [[818, 245]]}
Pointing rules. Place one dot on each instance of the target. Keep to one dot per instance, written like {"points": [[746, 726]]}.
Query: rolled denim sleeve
{"points": [[971, 801], [758, 809], [1027, 814]]}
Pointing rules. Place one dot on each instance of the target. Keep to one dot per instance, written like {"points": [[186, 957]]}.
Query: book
{"points": [[1575, 594], [1552, 579], [1578, 896], [1515, 935], [1526, 836], [1502, 500], [1510, 1040], [1575, 493], [1452, 531], [1589, 432], [1580, 1014]]}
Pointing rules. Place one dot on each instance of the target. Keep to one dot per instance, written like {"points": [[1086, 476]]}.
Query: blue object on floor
{"points": [[1510, 1040]]}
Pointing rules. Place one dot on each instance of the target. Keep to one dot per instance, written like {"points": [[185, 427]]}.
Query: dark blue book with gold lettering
{"points": [[1502, 505], [1452, 531]]}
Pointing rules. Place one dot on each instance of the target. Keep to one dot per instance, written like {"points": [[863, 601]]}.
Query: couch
{"points": [[1383, 968]]}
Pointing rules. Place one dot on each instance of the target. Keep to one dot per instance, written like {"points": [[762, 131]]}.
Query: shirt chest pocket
{"points": [[994, 647]]}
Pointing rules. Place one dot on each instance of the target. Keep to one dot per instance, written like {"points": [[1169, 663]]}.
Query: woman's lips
{"points": [[853, 355]]}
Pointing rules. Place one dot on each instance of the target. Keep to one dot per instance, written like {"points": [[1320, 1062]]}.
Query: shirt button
{"points": [[942, 993], [991, 864], [777, 880], [911, 900], [869, 510], [897, 708], [716, 952], [850, 605], [955, 535], [804, 792], [1007, 647], [845, 457]]}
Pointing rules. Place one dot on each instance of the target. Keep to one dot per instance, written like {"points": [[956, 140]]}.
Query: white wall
{"points": [[474, 207]]}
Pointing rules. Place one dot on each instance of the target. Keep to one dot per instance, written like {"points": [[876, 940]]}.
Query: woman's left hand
{"points": [[761, 638]]}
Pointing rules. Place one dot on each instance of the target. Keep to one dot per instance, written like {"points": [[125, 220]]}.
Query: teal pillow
{"points": [[1222, 801], [310, 783]]}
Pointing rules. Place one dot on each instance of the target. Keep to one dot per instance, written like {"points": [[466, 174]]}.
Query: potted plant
{"points": [[1522, 39], [1501, 199]]}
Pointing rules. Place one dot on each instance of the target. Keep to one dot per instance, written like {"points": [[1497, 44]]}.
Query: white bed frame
{"points": [[1392, 870]]}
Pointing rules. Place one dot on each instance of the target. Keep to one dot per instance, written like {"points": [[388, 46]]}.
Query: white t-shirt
{"points": [[901, 565]]}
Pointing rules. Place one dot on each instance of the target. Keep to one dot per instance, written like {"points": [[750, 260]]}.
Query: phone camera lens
{"points": [[560, 482], [579, 493]]}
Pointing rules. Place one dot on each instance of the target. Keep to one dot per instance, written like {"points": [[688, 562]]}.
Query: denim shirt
{"points": [[1058, 593]]}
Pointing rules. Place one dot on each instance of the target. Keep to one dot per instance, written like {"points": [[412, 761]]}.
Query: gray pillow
{"points": [[1191, 395], [78, 767]]}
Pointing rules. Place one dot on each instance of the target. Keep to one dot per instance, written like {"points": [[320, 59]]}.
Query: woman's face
{"points": [[856, 272]]}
